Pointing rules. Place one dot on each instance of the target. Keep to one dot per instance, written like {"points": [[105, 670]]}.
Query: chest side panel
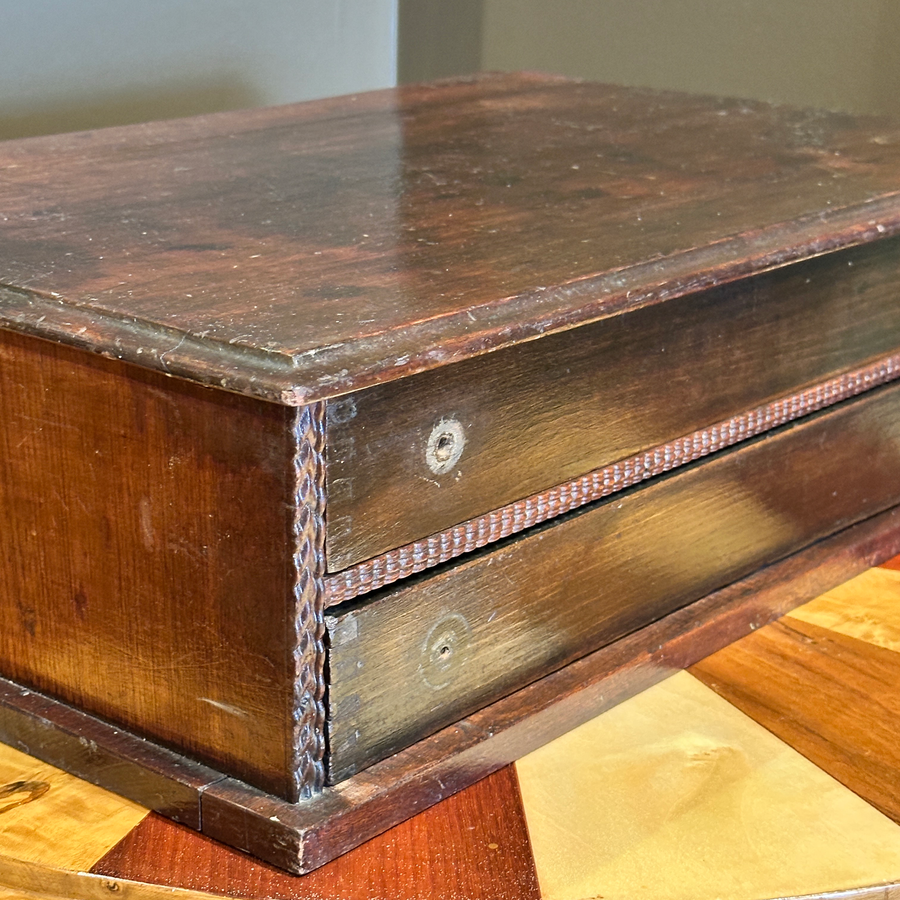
{"points": [[146, 569], [411, 458]]}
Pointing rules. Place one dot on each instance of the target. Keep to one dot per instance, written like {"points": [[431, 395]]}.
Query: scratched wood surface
{"points": [[146, 545], [688, 761], [305, 251]]}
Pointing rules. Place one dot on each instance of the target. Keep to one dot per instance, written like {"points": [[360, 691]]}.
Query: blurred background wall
{"points": [[829, 53], [71, 64]]}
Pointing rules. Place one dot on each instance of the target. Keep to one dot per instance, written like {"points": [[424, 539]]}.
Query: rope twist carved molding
{"points": [[500, 523], [309, 565]]}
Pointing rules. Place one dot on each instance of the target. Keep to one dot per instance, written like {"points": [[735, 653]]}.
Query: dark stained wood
{"points": [[146, 551], [472, 845], [301, 252], [301, 837], [515, 517], [422, 655], [834, 698], [548, 411], [410, 559]]}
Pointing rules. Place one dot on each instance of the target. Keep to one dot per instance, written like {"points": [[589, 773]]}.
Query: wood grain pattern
{"points": [[713, 772], [832, 697], [676, 795], [103, 754], [302, 252], [473, 845], [866, 607], [162, 547], [26, 881], [516, 517], [545, 412], [395, 788], [50, 817], [146, 554], [418, 657]]}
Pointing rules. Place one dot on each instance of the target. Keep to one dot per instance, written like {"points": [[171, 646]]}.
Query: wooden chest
{"points": [[350, 448]]}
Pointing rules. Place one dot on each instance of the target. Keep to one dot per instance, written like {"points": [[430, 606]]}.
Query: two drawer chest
{"points": [[350, 448]]}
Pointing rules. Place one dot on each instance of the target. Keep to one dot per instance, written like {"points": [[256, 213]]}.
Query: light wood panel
{"points": [[676, 795], [49, 817], [29, 881], [866, 607]]}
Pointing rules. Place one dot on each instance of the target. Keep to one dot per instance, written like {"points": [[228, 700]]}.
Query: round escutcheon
{"points": [[445, 651]]}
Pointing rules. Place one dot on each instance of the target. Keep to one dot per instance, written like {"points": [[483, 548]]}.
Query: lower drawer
{"points": [[412, 659]]}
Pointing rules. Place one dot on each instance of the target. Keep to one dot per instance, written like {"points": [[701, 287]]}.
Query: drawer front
{"points": [[409, 459], [413, 659]]}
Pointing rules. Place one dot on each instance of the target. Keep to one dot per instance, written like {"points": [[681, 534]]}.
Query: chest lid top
{"points": [[302, 252]]}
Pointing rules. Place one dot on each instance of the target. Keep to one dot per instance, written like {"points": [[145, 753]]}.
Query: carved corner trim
{"points": [[309, 623]]}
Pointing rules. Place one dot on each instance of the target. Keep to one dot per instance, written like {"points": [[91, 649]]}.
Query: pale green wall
{"points": [[438, 38], [842, 54]]}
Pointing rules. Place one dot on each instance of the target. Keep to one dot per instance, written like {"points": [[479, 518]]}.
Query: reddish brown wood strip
{"points": [[516, 517], [470, 846], [892, 563], [834, 698]]}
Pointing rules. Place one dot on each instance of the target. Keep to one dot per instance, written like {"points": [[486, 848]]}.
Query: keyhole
{"points": [[445, 651], [443, 450]]}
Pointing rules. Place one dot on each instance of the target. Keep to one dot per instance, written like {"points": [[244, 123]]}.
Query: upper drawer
{"points": [[411, 458]]}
